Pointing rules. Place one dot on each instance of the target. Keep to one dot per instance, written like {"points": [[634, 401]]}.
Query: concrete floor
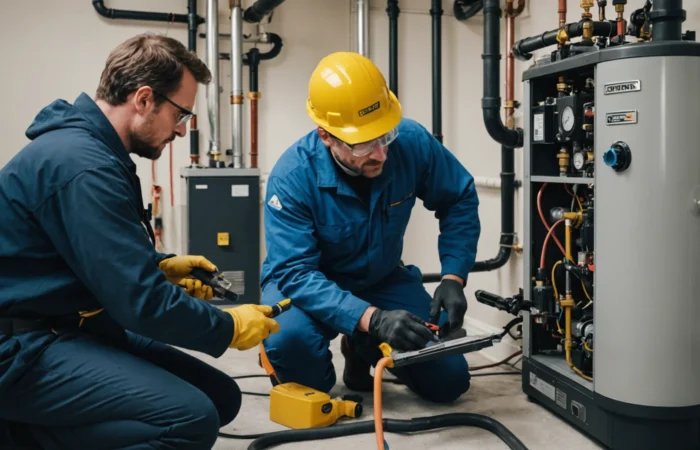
{"points": [[499, 397]]}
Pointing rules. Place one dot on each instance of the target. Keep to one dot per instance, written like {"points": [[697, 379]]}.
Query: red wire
{"points": [[544, 247], [544, 221]]}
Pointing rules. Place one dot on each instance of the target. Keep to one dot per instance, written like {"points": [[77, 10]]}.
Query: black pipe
{"points": [[523, 49], [258, 10], [507, 214], [491, 101], [391, 426], [392, 9], [111, 13], [667, 17], [436, 12], [192, 25], [273, 39]]}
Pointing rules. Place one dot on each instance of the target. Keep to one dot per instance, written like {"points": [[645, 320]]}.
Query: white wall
{"points": [[57, 50]]}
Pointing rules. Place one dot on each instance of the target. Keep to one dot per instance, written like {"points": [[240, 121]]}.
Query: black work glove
{"points": [[400, 329], [450, 296]]}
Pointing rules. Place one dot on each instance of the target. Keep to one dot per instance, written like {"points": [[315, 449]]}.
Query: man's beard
{"points": [[141, 144]]}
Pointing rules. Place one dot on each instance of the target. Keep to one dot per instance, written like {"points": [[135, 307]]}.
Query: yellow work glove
{"points": [[177, 270], [196, 288], [251, 325]]}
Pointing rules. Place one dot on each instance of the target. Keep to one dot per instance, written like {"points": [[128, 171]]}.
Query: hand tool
{"points": [[220, 285], [281, 307]]}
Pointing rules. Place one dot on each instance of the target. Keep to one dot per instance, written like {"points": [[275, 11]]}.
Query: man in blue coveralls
{"points": [[87, 305], [337, 206]]}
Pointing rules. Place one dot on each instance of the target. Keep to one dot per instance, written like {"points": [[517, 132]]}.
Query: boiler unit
{"points": [[611, 186]]}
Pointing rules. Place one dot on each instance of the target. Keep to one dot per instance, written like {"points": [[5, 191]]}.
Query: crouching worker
{"points": [[87, 305], [337, 206]]}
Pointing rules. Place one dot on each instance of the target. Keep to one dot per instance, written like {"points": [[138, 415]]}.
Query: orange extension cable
{"points": [[378, 425]]}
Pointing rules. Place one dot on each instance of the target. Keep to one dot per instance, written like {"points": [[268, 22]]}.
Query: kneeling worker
{"points": [[337, 205], [74, 238]]}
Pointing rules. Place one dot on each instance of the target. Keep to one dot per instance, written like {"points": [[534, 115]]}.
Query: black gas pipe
{"points": [[392, 10], [436, 13], [258, 10], [507, 137]]}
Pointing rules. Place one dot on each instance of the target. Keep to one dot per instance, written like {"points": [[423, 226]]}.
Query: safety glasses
{"points": [[185, 114], [365, 148]]}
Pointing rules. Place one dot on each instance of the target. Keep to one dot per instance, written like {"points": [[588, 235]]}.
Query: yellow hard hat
{"points": [[349, 98]]}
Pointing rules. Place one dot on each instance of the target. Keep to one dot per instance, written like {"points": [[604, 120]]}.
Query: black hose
{"points": [[667, 17], [258, 10], [523, 48], [111, 13], [491, 101], [392, 10], [436, 13], [392, 426]]}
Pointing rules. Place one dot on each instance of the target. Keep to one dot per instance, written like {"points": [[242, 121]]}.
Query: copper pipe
{"points": [[511, 14], [562, 13], [510, 71], [254, 96]]}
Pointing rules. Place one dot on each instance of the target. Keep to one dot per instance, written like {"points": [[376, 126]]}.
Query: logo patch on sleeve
{"points": [[275, 202]]}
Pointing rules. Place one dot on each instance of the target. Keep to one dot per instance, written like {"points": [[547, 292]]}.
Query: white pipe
{"points": [[213, 87], [237, 83], [486, 182], [363, 27]]}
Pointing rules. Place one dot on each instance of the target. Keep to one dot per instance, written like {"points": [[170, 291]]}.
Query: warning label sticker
{"points": [[561, 398], [621, 117], [542, 386]]}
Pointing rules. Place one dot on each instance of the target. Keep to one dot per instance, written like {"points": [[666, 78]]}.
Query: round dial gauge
{"points": [[567, 119], [579, 160]]}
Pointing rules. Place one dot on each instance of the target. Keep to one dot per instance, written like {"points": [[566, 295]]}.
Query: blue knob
{"points": [[618, 156], [610, 157]]}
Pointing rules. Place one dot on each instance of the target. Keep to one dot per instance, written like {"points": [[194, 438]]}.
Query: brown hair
{"points": [[148, 60]]}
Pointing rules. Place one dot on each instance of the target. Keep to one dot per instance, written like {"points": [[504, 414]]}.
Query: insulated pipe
{"points": [[213, 107], [523, 49], [491, 101], [363, 27], [392, 9], [436, 13], [667, 17], [237, 83], [258, 10]]}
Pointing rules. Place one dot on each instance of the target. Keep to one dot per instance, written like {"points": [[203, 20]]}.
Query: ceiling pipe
{"points": [[363, 27], [258, 10], [213, 106], [237, 83], [392, 10]]}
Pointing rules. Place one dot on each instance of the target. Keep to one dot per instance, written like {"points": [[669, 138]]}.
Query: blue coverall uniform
{"points": [[334, 255], [72, 239]]}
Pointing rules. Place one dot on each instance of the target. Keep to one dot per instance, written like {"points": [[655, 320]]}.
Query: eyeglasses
{"points": [[185, 114], [365, 148]]}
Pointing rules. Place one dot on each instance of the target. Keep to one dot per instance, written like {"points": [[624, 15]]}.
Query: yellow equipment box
{"points": [[296, 406]]}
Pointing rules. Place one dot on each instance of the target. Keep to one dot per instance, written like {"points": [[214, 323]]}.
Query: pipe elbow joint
{"points": [[519, 54]]}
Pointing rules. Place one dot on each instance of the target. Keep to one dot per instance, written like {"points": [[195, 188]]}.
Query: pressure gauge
{"points": [[567, 119], [579, 160]]}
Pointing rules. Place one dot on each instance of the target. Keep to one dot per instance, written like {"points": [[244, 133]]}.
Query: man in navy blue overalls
{"points": [[87, 305], [337, 205]]}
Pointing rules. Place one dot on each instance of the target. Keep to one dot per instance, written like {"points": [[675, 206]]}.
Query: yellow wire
{"points": [[578, 371], [585, 345], [556, 292], [586, 292]]}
